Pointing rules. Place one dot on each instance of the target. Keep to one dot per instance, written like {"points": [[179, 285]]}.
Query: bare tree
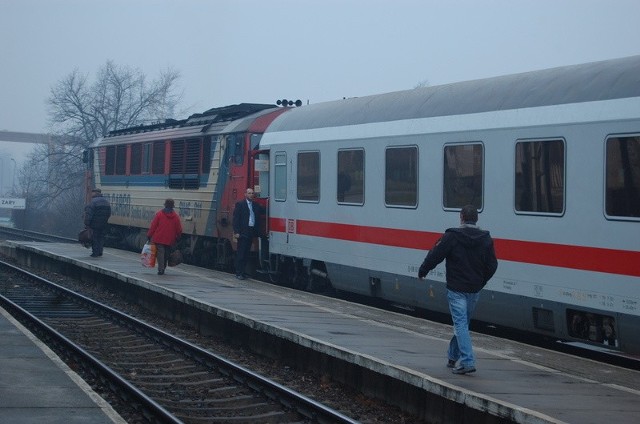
{"points": [[29, 177], [119, 98], [81, 111]]}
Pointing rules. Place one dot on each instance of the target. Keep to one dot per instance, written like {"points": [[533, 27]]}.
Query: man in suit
{"points": [[245, 229]]}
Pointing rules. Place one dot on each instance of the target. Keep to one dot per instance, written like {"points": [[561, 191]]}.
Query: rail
{"points": [[157, 365]]}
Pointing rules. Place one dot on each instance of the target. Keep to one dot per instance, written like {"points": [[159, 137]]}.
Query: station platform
{"points": [[513, 383], [37, 387]]}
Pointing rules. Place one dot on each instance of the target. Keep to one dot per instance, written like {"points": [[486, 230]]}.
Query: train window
{"points": [[350, 188], [192, 155], [110, 162], [401, 176], [623, 177], [135, 167], [255, 141], [157, 164], [121, 160], [309, 176], [463, 175], [261, 175], [280, 177], [184, 166], [236, 148], [177, 156], [539, 176], [146, 158], [206, 155]]}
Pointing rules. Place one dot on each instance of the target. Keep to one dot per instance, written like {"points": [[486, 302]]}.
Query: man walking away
{"points": [[470, 263], [96, 216]]}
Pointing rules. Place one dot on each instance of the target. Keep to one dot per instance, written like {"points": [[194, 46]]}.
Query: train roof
{"points": [[213, 121], [605, 80]]}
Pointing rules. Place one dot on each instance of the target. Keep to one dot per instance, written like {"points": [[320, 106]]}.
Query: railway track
{"points": [[582, 350], [165, 378], [9, 233]]}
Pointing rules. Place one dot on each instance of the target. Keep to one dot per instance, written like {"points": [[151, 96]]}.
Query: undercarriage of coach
{"points": [[301, 274]]}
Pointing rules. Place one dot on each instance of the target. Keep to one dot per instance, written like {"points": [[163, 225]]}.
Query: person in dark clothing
{"points": [[96, 216], [165, 231], [470, 263], [245, 228]]}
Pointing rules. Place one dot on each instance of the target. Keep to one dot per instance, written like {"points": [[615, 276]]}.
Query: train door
{"points": [[234, 181], [259, 178]]}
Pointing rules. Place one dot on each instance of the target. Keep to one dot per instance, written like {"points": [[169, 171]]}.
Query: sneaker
{"points": [[93, 255], [240, 277], [160, 272], [463, 369], [451, 363]]}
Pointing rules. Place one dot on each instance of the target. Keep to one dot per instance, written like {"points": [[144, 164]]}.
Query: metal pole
{"points": [[2, 177], [13, 180]]}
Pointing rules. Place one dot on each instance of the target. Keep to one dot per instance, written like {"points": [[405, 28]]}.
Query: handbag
{"points": [[175, 258], [148, 255], [85, 236]]}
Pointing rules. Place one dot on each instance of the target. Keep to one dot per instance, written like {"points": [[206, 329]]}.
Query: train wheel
{"points": [[318, 281], [293, 274]]}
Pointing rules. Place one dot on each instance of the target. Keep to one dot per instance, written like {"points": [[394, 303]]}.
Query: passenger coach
{"points": [[361, 188]]}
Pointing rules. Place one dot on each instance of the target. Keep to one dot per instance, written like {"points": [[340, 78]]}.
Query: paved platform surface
{"points": [[37, 387], [529, 384]]}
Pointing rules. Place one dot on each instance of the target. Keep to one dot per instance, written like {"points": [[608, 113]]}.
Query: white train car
{"points": [[361, 188]]}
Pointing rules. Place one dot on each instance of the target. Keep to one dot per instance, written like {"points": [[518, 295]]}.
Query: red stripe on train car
{"points": [[373, 235], [613, 261], [277, 225]]}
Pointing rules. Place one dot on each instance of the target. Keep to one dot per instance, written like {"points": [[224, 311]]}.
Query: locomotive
{"points": [[357, 190], [204, 162]]}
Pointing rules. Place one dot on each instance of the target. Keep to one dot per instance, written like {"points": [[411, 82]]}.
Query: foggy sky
{"points": [[234, 51]]}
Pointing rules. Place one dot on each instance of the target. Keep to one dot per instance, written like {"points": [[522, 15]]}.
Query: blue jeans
{"points": [[462, 306]]}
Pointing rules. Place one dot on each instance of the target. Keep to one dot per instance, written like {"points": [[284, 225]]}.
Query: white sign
{"points": [[261, 165], [12, 203]]}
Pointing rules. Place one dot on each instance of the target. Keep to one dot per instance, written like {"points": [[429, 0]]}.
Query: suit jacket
{"points": [[241, 218]]}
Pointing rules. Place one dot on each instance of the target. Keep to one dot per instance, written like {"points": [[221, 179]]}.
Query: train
{"points": [[357, 190]]}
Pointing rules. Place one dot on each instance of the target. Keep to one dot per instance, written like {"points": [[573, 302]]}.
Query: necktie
{"points": [[252, 218]]}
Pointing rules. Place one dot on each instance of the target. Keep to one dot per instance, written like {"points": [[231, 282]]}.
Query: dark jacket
{"points": [[471, 258], [165, 227], [241, 218], [97, 213]]}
